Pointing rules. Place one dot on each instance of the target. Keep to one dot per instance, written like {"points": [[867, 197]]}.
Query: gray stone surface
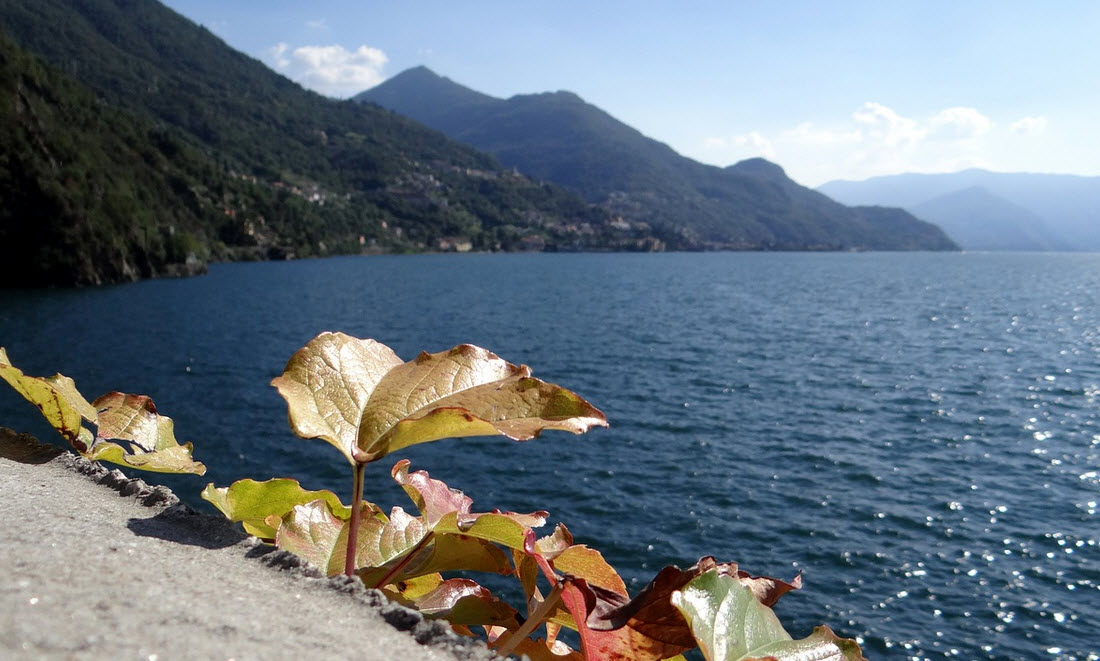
{"points": [[96, 566]]}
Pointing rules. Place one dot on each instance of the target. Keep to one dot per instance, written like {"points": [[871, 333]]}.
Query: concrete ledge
{"points": [[99, 566]]}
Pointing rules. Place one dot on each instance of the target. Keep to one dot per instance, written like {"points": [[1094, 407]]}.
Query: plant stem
{"points": [[353, 528], [534, 620]]}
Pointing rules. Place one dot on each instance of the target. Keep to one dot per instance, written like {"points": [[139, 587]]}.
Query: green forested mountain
{"points": [[558, 137], [133, 138], [88, 194]]}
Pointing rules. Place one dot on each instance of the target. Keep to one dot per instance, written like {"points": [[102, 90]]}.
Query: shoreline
{"points": [[102, 566]]}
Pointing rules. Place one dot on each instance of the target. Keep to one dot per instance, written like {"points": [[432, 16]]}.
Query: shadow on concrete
{"points": [[25, 448], [183, 525]]}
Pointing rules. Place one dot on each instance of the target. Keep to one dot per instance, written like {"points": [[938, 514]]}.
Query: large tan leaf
{"points": [[327, 384], [421, 384], [357, 395], [132, 420]]}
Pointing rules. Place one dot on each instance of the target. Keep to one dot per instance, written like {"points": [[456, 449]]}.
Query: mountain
{"points": [[558, 137], [89, 194], [1044, 211], [163, 147], [980, 220]]}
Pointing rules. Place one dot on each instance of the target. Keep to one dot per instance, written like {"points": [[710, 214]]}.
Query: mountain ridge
{"points": [[966, 215], [559, 137], [1064, 210]]}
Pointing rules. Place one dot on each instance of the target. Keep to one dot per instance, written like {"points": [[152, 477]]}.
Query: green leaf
{"points": [[730, 623], [400, 547], [444, 553], [647, 627], [314, 533], [357, 395], [130, 431], [505, 528], [58, 400], [407, 591], [251, 503], [539, 650]]}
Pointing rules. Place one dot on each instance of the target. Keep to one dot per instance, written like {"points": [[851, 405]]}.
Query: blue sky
{"points": [[828, 90]]}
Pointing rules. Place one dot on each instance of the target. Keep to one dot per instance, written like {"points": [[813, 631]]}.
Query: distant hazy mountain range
{"points": [[557, 137], [984, 210]]}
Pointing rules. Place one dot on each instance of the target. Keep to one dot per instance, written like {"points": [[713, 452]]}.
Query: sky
{"points": [[828, 90]]}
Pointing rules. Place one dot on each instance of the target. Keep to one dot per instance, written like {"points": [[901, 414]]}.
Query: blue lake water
{"points": [[919, 434]]}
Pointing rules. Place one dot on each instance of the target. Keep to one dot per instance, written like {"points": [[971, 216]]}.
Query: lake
{"points": [[917, 433]]}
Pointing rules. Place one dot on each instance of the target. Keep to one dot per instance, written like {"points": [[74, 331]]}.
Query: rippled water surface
{"points": [[919, 434]]}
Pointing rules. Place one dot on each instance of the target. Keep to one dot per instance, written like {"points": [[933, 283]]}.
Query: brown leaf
{"points": [[768, 590], [623, 644]]}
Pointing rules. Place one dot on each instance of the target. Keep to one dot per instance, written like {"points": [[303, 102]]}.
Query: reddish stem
{"points": [[353, 527]]}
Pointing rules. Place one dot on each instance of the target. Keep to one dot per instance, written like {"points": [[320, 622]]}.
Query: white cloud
{"points": [[1029, 125], [876, 139], [331, 70], [959, 124], [740, 147], [277, 55], [806, 133], [885, 126]]}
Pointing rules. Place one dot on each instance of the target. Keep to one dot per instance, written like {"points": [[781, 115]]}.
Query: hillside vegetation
{"points": [[89, 194]]}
